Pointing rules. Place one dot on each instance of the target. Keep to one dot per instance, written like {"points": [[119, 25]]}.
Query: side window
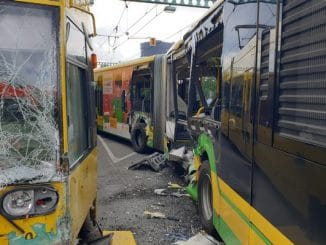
{"points": [[209, 79], [77, 112], [99, 97], [141, 91]]}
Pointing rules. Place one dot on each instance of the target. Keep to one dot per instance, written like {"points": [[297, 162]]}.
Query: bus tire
{"points": [[139, 138], [205, 199]]}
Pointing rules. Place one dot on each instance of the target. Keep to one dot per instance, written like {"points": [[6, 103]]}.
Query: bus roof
{"points": [[139, 61], [203, 18]]}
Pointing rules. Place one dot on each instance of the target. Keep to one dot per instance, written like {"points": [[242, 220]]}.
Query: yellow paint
{"points": [[149, 132], [271, 232], [121, 237], [63, 80], [235, 198], [113, 122], [197, 164], [44, 2], [50, 220], [200, 110], [216, 192], [237, 224], [100, 121], [255, 239], [82, 191]]}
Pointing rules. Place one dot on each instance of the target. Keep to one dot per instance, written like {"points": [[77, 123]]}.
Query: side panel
{"points": [[159, 108], [289, 174], [82, 191], [116, 101], [44, 229], [238, 65]]}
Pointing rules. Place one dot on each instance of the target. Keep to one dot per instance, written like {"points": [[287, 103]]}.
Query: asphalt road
{"points": [[124, 195]]}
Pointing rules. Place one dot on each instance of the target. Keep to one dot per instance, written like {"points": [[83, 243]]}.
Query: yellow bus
{"points": [[130, 101], [48, 158]]}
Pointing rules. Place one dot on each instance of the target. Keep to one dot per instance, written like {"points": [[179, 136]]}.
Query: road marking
{"points": [[126, 157], [110, 153]]}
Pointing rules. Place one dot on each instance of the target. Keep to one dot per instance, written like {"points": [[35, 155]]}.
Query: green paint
{"points": [[150, 143], [118, 112], [245, 219], [106, 119], [225, 232], [192, 189], [205, 144], [41, 238]]}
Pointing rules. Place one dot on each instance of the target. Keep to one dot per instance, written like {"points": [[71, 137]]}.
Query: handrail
{"points": [[91, 14]]}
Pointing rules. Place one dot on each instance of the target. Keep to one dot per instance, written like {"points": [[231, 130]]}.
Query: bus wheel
{"points": [[205, 198], [138, 138]]}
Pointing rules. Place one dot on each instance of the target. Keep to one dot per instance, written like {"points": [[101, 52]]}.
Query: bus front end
{"points": [[32, 183]]}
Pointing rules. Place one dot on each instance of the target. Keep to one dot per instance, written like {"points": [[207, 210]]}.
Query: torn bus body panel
{"points": [[29, 135]]}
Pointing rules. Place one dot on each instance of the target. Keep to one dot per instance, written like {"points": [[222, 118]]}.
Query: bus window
{"points": [[208, 80], [77, 112], [75, 48], [141, 92], [77, 100]]}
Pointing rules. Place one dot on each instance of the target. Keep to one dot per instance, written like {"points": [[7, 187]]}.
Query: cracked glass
{"points": [[29, 135]]}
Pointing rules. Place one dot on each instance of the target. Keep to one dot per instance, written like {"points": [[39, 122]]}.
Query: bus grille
{"points": [[302, 77]]}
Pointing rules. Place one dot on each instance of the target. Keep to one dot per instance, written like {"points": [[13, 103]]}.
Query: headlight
{"points": [[23, 202], [18, 203]]}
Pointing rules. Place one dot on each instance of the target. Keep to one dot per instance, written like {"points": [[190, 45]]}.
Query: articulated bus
{"points": [[130, 101], [256, 109], [48, 158]]}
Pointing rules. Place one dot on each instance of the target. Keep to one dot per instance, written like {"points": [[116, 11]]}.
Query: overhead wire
{"points": [[138, 20], [147, 23], [117, 25], [172, 35]]}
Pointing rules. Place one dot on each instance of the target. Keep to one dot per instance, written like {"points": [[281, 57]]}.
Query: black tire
{"points": [[205, 199], [88, 231], [139, 138]]}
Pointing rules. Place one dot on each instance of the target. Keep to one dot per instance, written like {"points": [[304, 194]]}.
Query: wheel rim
{"points": [[207, 197]]}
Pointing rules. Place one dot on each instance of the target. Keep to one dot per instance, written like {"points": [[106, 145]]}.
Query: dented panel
{"points": [[46, 229]]}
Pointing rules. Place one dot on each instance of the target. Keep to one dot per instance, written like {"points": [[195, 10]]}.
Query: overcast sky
{"points": [[138, 22]]}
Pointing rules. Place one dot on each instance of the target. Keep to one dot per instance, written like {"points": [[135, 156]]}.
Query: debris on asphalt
{"points": [[171, 192], [155, 162], [178, 194], [201, 238], [154, 215], [160, 192], [174, 186], [158, 215]]}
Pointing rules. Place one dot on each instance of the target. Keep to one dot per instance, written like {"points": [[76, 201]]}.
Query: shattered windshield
{"points": [[29, 138]]}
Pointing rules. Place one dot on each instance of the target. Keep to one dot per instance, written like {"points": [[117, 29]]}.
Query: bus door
{"points": [[238, 65], [178, 84]]}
